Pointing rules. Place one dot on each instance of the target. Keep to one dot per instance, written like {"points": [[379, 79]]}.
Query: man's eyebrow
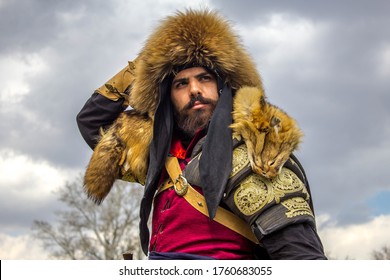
{"points": [[205, 73], [185, 79], [179, 80]]}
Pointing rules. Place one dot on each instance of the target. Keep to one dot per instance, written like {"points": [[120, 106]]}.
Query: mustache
{"points": [[198, 98]]}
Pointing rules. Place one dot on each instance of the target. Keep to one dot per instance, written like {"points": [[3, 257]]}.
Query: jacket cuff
{"points": [[119, 86], [291, 211]]}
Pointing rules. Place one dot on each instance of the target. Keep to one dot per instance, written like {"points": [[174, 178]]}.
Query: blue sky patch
{"points": [[380, 203]]}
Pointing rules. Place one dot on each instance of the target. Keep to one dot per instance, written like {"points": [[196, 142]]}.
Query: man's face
{"points": [[194, 95]]}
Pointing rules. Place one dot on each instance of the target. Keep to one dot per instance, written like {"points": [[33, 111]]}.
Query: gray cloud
{"points": [[252, 11], [30, 25], [73, 49], [335, 90]]}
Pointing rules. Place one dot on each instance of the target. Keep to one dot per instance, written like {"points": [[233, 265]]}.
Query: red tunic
{"points": [[178, 227]]}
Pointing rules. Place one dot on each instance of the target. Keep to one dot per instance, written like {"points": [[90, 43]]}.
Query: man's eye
{"points": [[205, 78], [180, 84]]}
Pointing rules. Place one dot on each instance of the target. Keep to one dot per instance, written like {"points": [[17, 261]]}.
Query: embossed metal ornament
{"points": [[297, 206], [256, 192], [240, 159], [252, 195]]}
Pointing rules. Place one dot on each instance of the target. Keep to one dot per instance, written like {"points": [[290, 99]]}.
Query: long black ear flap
{"points": [[159, 149], [162, 132], [215, 164]]}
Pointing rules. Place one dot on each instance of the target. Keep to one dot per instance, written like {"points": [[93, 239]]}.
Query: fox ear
{"points": [[262, 101], [275, 121]]}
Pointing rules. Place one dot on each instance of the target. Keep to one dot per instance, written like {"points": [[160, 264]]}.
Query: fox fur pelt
{"points": [[269, 133], [121, 153]]}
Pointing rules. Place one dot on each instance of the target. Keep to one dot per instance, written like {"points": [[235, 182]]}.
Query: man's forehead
{"points": [[189, 72]]}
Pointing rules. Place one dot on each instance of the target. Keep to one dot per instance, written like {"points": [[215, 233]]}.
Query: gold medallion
{"points": [[252, 195]]}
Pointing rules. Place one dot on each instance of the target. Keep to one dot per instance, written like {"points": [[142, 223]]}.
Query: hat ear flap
{"points": [[162, 130], [158, 152], [215, 164]]}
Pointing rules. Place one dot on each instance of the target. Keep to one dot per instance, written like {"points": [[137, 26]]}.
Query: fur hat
{"points": [[201, 38]]}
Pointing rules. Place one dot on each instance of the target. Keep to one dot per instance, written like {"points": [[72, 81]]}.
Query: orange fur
{"points": [[269, 133], [122, 152]]}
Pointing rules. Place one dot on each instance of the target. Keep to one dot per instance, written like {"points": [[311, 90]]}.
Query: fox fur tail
{"points": [[121, 153], [103, 168]]}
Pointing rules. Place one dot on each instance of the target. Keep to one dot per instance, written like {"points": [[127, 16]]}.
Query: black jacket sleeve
{"points": [[297, 241], [294, 242], [98, 112]]}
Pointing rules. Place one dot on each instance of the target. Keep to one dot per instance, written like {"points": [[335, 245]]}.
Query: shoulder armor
{"points": [[265, 204], [255, 194], [268, 204]]}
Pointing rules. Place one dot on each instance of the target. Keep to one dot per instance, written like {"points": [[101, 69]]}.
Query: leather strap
{"points": [[198, 201]]}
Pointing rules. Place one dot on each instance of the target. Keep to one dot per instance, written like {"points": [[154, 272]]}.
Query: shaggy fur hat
{"points": [[201, 38]]}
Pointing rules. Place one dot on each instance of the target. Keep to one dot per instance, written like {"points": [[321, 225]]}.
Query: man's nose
{"points": [[194, 87]]}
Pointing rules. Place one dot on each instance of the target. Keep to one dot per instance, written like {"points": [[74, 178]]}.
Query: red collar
{"points": [[178, 149]]}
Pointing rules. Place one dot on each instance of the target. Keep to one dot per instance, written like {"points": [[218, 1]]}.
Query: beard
{"points": [[189, 122]]}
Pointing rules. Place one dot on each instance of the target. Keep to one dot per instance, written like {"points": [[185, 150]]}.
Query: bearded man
{"points": [[185, 79]]}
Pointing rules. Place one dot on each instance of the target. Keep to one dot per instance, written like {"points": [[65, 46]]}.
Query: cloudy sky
{"points": [[327, 63]]}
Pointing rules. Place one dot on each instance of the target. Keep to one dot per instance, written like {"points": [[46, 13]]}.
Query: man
{"points": [[194, 95], [185, 79]]}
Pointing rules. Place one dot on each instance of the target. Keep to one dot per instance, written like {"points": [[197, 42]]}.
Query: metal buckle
{"points": [[184, 185]]}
